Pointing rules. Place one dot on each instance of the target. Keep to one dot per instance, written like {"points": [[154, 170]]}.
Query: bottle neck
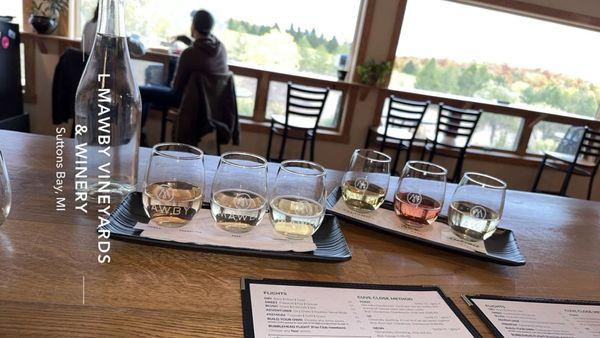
{"points": [[111, 19]]}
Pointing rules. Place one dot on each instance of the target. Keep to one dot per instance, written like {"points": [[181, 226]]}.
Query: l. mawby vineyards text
{"points": [[102, 195]]}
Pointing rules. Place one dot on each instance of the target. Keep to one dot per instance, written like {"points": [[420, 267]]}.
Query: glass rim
{"points": [[261, 162], [190, 155], [311, 165], [442, 170], [360, 152], [501, 184]]}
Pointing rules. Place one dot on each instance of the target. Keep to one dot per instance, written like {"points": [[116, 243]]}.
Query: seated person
{"points": [[206, 55], [135, 46]]}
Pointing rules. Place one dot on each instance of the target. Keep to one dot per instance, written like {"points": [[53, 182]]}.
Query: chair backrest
{"points": [[404, 115], [305, 101], [571, 142], [455, 127], [590, 146]]}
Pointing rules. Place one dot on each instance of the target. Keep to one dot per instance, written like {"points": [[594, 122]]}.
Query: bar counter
{"points": [[52, 285]]}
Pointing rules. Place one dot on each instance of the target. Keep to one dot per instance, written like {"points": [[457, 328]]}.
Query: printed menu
{"points": [[278, 308], [524, 317]]}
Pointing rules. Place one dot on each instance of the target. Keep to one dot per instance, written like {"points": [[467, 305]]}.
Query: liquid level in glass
{"points": [[296, 217], [237, 210], [362, 200], [471, 221], [172, 204], [416, 209]]}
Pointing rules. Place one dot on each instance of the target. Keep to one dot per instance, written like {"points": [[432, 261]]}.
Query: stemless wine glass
{"points": [[174, 184], [239, 192], [5, 192], [365, 184], [298, 199], [476, 206], [420, 193]]}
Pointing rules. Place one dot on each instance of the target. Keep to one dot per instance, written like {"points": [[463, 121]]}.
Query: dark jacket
{"points": [[206, 55], [208, 103], [64, 85]]}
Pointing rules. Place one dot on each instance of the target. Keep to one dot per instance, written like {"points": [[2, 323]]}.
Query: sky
{"points": [[443, 29]]}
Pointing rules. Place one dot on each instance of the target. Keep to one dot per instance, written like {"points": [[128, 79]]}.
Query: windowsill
{"points": [[483, 103]]}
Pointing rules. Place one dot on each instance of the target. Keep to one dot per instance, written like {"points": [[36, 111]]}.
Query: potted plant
{"points": [[373, 73], [45, 14]]}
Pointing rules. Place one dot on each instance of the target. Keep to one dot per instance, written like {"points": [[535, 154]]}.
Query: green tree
{"points": [[429, 77], [332, 45], [410, 68], [472, 79]]}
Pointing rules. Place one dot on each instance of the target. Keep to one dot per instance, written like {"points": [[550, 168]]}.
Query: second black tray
{"points": [[502, 247], [330, 242]]}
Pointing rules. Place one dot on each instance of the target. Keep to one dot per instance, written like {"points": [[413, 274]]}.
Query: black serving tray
{"points": [[330, 242], [502, 247]]}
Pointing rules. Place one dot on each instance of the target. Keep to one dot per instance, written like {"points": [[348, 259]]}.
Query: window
{"points": [[287, 36], [546, 136], [458, 49], [13, 8], [493, 131]]}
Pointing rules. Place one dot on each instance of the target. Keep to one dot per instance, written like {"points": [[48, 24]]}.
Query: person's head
{"points": [[202, 23]]}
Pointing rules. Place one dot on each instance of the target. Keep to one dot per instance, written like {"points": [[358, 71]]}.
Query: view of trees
{"points": [[540, 88], [502, 83], [291, 49]]}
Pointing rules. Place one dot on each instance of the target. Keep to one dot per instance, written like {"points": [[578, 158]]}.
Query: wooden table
{"points": [[147, 290]]}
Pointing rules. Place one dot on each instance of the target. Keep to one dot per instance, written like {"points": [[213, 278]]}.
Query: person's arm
{"points": [[182, 72]]}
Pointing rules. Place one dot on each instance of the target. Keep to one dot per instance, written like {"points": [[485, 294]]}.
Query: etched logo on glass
{"points": [[478, 212], [414, 198], [361, 183], [165, 193], [243, 200]]}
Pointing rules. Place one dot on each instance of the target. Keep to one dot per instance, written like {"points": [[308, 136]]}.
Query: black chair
{"points": [[154, 75], [401, 123], [577, 153], [453, 132], [303, 111]]}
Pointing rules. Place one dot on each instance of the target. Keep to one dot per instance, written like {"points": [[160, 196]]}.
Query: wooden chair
{"points": [[577, 153], [303, 111], [453, 131], [401, 123]]}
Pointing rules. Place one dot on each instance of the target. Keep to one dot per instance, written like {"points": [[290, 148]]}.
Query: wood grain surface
{"points": [[152, 291]]}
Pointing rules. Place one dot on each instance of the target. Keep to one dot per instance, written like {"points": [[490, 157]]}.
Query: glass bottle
{"points": [[108, 109]]}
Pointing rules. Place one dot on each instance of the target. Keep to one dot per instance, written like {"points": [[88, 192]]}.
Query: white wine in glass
{"points": [[238, 202], [174, 184], [298, 199], [365, 184]]}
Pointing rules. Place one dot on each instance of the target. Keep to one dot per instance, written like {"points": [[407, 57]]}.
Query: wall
{"points": [[330, 154]]}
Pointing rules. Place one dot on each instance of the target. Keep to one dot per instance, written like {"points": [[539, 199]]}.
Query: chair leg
{"points": [[591, 184], [565, 185], [283, 142], [396, 158], [538, 176], [423, 150], [304, 140], [368, 140], [270, 142], [163, 124], [590, 187], [312, 145], [218, 145], [458, 167], [432, 152]]}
